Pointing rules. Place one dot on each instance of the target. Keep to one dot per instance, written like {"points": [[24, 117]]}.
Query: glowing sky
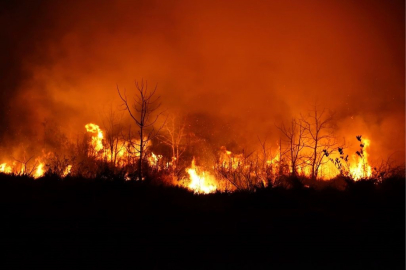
{"points": [[248, 63]]}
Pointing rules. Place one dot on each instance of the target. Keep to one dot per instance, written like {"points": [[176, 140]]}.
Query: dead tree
{"points": [[264, 153], [294, 136], [143, 111], [25, 169], [175, 136], [320, 138], [266, 162]]}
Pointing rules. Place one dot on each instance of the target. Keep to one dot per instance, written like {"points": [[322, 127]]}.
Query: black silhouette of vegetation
{"points": [[78, 222], [143, 112]]}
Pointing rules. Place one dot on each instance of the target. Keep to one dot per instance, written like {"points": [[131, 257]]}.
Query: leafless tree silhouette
{"points": [[294, 136], [175, 136], [144, 112], [318, 125]]}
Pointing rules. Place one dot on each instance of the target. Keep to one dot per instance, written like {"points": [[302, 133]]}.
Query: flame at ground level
{"points": [[201, 182], [97, 141], [39, 171], [361, 169], [4, 168], [230, 172]]}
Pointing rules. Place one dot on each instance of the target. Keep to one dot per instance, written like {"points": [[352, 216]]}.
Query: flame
{"points": [[201, 183], [123, 155], [361, 169], [11, 169], [97, 140], [228, 160], [4, 168], [328, 171], [250, 171], [154, 159], [305, 169], [67, 171], [39, 171], [275, 160]]}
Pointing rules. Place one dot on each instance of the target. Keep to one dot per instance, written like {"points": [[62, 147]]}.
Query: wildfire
{"points": [[275, 160], [305, 169], [201, 182], [231, 171], [67, 171], [39, 171], [154, 159], [4, 168], [328, 171], [123, 152], [228, 160], [97, 139], [361, 169], [36, 171]]}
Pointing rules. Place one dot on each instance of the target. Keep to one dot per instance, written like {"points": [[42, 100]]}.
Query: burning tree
{"points": [[143, 111]]}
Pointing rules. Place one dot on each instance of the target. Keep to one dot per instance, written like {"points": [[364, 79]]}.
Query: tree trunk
{"points": [[140, 163]]}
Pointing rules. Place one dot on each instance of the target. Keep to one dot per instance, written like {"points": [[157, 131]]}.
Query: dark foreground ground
{"points": [[77, 223]]}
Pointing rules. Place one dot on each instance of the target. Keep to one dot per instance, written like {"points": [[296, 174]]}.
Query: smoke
{"points": [[239, 67]]}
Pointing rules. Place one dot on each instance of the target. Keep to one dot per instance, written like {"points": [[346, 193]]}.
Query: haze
{"points": [[238, 66]]}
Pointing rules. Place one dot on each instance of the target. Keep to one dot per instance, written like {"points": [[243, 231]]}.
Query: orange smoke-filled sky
{"points": [[250, 64]]}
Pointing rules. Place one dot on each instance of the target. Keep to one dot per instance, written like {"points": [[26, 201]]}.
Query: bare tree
{"points": [[143, 112], [175, 136], [294, 136], [388, 168], [267, 165], [25, 169], [265, 152], [239, 172], [318, 125]]}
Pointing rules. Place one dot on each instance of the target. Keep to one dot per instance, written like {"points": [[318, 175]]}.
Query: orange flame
{"points": [[97, 140], [361, 169], [201, 182], [67, 171], [154, 159], [229, 160], [4, 168], [39, 170]]}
